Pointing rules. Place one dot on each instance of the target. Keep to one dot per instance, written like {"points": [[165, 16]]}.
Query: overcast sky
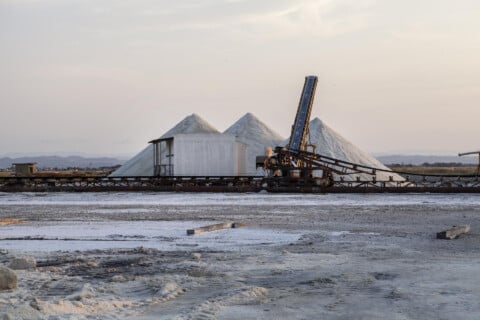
{"points": [[103, 77]]}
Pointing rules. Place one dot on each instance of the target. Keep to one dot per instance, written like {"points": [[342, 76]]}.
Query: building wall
{"points": [[207, 155], [241, 163]]}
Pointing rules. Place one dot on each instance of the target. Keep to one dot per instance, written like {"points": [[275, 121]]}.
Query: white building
{"points": [[200, 154]]}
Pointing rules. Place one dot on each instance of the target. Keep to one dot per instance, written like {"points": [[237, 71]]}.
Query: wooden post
{"points": [[213, 227], [238, 224], [8, 221], [209, 228], [453, 233]]}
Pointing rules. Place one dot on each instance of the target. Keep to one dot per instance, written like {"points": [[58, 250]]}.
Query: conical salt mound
{"points": [[142, 163], [257, 136], [191, 124], [330, 143]]}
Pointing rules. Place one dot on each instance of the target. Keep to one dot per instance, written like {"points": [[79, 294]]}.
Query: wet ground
{"points": [[127, 256]]}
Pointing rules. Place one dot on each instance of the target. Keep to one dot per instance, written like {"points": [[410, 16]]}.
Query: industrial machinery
{"points": [[298, 160], [298, 163], [469, 153]]}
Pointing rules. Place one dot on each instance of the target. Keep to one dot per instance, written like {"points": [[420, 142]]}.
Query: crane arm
{"points": [[468, 153]]}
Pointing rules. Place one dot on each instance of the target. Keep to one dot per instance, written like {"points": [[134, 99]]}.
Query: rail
{"points": [[237, 184]]}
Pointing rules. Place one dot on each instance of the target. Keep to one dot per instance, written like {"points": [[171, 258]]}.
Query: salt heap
{"points": [[331, 144], [257, 136], [142, 163], [190, 125]]}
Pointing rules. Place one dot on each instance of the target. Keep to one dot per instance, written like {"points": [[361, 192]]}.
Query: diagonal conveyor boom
{"points": [[300, 126]]}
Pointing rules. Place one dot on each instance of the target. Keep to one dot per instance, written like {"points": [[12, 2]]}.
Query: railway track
{"points": [[413, 183]]}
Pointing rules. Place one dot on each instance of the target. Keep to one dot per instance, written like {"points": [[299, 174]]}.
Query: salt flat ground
{"points": [[127, 256]]}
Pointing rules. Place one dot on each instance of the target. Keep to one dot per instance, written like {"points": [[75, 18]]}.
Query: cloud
{"points": [[311, 18], [266, 19]]}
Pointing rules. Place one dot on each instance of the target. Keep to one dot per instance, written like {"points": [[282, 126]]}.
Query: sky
{"points": [[104, 77]]}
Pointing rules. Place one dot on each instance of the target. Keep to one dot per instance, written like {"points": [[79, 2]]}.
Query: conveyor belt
{"points": [[343, 167], [300, 126]]}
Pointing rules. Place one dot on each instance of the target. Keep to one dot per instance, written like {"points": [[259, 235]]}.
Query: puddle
{"points": [[162, 235]]}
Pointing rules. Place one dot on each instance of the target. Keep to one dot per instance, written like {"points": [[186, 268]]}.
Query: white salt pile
{"points": [[331, 144], [190, 125], [142, 163], [257, 136]]}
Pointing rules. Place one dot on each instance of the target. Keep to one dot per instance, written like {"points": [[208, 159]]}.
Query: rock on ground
{"points": [[24, 312], [8, 279], [23, 263]]}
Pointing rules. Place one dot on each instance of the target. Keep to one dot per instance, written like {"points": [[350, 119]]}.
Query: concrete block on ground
{"points": [[453, 233]]}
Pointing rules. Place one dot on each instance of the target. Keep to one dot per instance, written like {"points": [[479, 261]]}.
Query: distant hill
{"points": [[44, 162], [421, 159]]}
